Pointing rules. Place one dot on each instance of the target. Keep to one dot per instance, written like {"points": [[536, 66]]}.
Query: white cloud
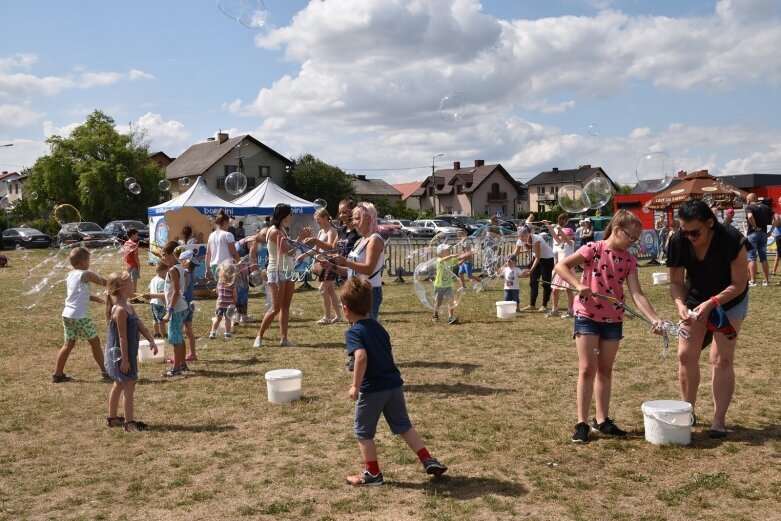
{"points": [[91, 79], [49, 129], [136, 74], [17, 61], [17, 116], [169, 136]]}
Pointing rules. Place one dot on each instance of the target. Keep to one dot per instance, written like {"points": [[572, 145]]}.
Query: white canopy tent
{"points": [[268, 195], [204, 200]]}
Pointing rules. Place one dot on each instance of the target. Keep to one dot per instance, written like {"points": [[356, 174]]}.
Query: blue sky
{"points": [[358, 82]]}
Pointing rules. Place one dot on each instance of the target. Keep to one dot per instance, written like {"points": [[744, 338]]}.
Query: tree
{"points": [[88, 170], [312, 179]]}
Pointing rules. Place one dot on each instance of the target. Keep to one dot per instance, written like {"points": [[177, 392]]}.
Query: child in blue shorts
{"points": [[376, 385], [156, 298]]}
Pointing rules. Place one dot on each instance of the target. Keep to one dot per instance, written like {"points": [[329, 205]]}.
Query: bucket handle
{"points": [[662, 420]]}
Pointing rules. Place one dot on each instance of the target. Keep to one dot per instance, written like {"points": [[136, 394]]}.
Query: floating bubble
{"points": [[164, 185], [85, 189], [251, 14], [594, 130], [33, 196], [320, 203], [708, 199], [256, 279], [65, 213], [452, 108], [184, 182], [4, 202], [134, 188], [437, 286], [236, 183], [231, 313], [129, 181], [598, 191], [655, 170], [573, 199]]}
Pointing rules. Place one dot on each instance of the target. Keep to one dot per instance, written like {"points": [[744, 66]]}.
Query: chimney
{"points": [[361, 177], [584, 167], [479, 162], [222, 137], [681, 174], [555, 169], [456, 165]]}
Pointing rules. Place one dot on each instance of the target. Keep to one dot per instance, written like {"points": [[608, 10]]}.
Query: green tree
{"points": [[312, 179], [88, 170]]}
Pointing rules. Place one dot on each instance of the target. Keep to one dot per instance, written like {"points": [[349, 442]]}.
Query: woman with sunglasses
{"points": [[607, 264], [708, 270]]}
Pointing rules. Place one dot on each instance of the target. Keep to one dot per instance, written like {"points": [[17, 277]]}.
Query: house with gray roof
{"points": [[374, 189], [217, 157], [544, 187]]}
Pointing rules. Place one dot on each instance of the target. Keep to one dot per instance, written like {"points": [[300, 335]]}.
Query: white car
{"points": [[438, 227]]}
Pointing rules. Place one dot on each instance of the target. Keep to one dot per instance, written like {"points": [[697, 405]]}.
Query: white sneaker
{"points": [[227, 335], [258, 342], [752, 283], [212, 334], [765, 283], [286, 343]]}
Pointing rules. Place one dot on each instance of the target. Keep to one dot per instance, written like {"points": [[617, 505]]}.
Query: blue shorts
{"points": [[465, 268], [188, 315], [158, 312], [175, 324], [512, 294], [275, 277], [135, 273], [389, 403], [739, 311], [604, 330], [758, 240], [220, 312]]}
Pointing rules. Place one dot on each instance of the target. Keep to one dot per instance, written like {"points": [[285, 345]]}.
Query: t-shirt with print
{"points": [[763, 216], [604, 271], [381, 371], [511, 276]]}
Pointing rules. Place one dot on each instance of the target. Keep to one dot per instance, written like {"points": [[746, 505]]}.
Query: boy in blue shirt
{"points": [[376, 385]]}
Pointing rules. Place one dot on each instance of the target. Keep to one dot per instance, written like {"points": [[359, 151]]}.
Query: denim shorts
{"points": [[389, 403], [512, 294], [604, 330], [443, 294], [465, 268], [135, 273], [376, 302], [175, 327], [739, 311], [758, 240], [275, 277]]}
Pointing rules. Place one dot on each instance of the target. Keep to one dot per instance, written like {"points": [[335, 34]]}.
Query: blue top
{"points": [[112, 354], [381, 371]]}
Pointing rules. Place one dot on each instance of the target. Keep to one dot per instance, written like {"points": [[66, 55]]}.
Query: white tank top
{"points": [[276, 264], [359, 255], [77, 296], [180, 304]]}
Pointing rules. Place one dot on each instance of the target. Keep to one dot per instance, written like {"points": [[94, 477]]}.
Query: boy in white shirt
{"points": [[512, 275]]}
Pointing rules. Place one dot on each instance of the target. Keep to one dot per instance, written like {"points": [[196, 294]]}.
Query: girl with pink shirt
{"points": [[598, 323]]}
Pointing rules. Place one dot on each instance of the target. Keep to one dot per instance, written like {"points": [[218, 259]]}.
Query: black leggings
{"points": [[543, 270]]}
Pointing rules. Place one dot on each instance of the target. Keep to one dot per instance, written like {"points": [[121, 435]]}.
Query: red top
{"points": [[131, 254], [604, 271]]}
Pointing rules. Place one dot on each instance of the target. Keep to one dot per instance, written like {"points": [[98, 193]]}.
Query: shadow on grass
{"points": [[323, 345], [738, 434], [169, 427], [465, 487], [465, 368], [221, 374], [459, 388], [237, 361]]}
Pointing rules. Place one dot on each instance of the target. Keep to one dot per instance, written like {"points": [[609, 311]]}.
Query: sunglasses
{"points": [[631, 237], [694, 234]]}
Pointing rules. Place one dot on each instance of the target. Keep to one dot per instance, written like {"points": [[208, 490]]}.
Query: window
{"points": [[540, 190], [459, 189], [221, 182], [229, 169], [265, 171], [430, 191], [557, 190], [448, 209], [251, 182], [552, 190], [495, 187]]}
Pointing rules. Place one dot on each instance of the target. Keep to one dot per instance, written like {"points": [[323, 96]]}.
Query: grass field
{"points": [[495, 401]]}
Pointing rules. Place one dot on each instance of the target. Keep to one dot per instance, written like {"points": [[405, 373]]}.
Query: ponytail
{"points": [[109, 307]]}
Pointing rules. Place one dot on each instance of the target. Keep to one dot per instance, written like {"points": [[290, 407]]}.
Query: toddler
{"points": [[443, 283], [226, 297], [156, 298], [511, 275]]}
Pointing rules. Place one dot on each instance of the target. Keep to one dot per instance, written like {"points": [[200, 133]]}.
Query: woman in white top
{"points": [[563, 247], [367, 258], [221, 246], [326, 241], [541, 266], [280, 273]]}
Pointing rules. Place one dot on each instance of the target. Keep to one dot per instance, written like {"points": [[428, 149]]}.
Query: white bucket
{"points": [[284, 385], [506, 309], [660, 277], [145, 355], [668, 422]]}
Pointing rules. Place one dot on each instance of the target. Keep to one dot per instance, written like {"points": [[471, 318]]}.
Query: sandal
{"points": [[133, 426], [323, 321], [115, 421]]}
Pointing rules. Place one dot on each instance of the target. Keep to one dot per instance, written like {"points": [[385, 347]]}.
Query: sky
{"points": [[359, 83]]}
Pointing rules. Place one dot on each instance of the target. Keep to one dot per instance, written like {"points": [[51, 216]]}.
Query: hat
{"points": [[187, 255], [730, 211], [512, 258], [587, 220], [442, 247], [568, 231]]}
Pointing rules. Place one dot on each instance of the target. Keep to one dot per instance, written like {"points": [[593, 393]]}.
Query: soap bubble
{"points": [[573, 199], [256, 278], [708, 199], [85, 189], [251, 14], [129, 181], [438, 298], [164, 185], [65, 213], [184, 182], [33, 196], [452, 108], [594, 130], [236, 183], [655, 170], [320, 203], [4, 202], [231, 313], [134, 188], [598, 191]]}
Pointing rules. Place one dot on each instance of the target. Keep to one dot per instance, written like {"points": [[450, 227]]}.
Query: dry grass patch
{"points": [[495, 400]]}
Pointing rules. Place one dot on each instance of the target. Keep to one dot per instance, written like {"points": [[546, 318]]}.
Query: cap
{"points": [[512, 258], [187, 255], [442, 247], [730, 211], [568, 231], [587, 220]]}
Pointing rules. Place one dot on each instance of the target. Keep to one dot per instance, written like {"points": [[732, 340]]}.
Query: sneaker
{"points": [[192, 358], [452, 320], [323, 321], [527, 308], [752, 283], [60, 378], [174, 371], [435, 317], [336, 320], [258, 342], [581, 433], [286, 343], [434, 467], [607, 428], [365, 479], [552, 313], [766, 283], [350, 365], [227, 335], [184, 368], [566, 314], [542, 309], [212, 334]]}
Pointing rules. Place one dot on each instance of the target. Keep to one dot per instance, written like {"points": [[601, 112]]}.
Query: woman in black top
{"points": [[708, 270]]}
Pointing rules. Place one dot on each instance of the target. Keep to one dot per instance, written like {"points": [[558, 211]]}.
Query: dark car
{"points": [[464, 222], [25, 238], [91, 234], [507, 224], [119, 230]]}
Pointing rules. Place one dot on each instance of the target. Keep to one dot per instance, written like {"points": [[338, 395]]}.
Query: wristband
{"points": [[715, 301], [170, 310]]}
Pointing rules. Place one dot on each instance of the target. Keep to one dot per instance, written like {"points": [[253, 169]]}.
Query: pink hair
{"points": [[368, 211]]}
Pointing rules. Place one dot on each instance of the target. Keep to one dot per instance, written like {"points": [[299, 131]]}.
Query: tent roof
{"points": [[268, 194], [199, 196]]}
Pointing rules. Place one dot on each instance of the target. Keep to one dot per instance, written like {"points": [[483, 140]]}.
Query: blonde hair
{"points": [[114, 284], [369, 212], [621, 219], [227, 272], [322, 212]]}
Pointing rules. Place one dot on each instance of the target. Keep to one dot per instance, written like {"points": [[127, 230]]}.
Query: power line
{"points": [[385, 169]]}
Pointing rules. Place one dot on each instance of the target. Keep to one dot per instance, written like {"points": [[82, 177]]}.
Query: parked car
{"points": [[389, 229], [91, 234], [495, 230], [414, 231], [119, 229], [439, 227], [507, 224], [464, 222], [25, 238]]}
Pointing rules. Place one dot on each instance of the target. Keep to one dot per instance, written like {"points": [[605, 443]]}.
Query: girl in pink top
{"points": [[598, 323]]}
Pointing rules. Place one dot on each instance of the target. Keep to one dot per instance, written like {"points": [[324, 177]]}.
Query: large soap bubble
{"points": [[66, 213], [184, 182], [436, 285], [655, 171], [33, 196], [251, 14], [129, 181], [320, 203], [453, 107], [573, 199], [164, 185], [134, 188], [594, 129], [598, 191], [236, 183]]}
